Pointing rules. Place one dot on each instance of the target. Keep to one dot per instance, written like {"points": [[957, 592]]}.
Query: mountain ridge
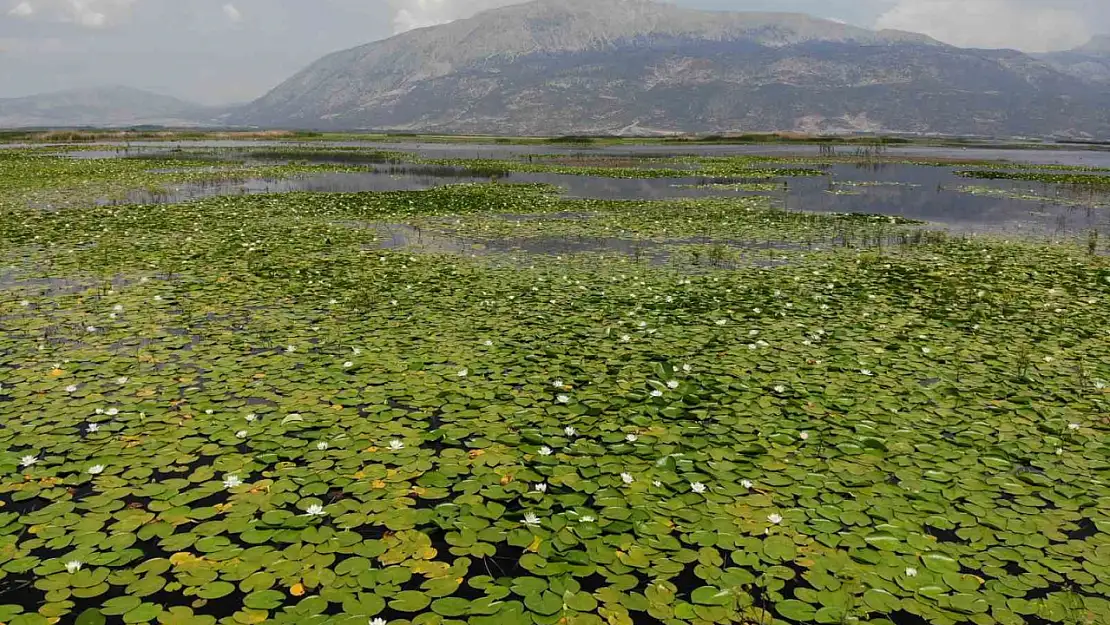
{"points": [[106, 105]]}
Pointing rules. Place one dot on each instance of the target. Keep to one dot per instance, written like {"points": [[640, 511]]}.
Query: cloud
{"points": [[23, 9], [1030, 25], [410, 14], [86, 13], [233, 14]]}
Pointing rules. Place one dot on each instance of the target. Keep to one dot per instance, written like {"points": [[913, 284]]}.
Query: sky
{"points": [[227, 51]]}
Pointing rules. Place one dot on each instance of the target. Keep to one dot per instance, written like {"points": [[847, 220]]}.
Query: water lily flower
{"points": [[545, 451], [322, 446], [92, 428], [488, 343], [780, 389], [118, 308], [1100, 384], [241, 434], [530, 518], [123, 379], [91, 329], [73, 566], [722, 322], [673, 384], [557, 384], [72, 388], [570, 431], [587, 519], [1059, 451], [687, 368], [775, 518], [315, 510], [24, 303], [377, 621], [396, 445], [464, 373], [697, 487], [232, 481], [747, 484], [632, 438], [251, 417], [541, 488], [926, 350], [348, 364], [209, 412], [657, 483], [27, 461], [96, 469], [804, 436], [911, 572], [111, 412], [627, 478], [866, 372], [157, 298], [563, 399], [626, 338], [657, 393], [1074, 426]]}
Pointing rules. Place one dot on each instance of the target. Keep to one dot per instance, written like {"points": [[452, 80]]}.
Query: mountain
{"points": [[1089, 63], [103, 106], [620, 66]]}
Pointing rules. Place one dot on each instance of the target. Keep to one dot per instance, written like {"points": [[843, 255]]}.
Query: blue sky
{"points": [[219, 51]]}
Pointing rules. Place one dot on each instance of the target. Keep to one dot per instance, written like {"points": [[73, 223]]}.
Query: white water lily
{"points": [[587, 519], [73, 566], [657, 393], [91, 329], [251, 417], [315, 510], [687, 368], [24, 303], [804, 436], [123, 379], [27, 461], [631, 438], [111, 412], [540, 488], [911, 572], [866, 372], [673, 384], [1059, 451], [1100, 384], [926, 350], [241, 434], [157, 298], [557, 384], [464, 373], [396, 445], [626, 338], [722, 322], [232, 481], [627, 478], [1074, 426], [657, 484], [348, 364], [747, 484], [92, 428], [322, 446], [780, 389], [697, 487], [289, 349], [530, 518], [488, 343], [545, 451], [775, 518], [570, 431], [563, 399], [71, 388], [377, 621], [96, 469]]}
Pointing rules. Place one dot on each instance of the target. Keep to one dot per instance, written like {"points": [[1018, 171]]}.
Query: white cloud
{"points": [[23, 9], [1022, 24], [410, 14], [86, 13], [233, 13]]}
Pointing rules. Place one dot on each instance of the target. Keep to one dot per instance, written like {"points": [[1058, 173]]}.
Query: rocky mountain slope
{"points": [[611, 66], [1089, 63], [104, 106]]}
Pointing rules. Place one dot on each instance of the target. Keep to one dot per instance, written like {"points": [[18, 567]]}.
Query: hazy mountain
{"points": [[103, 106], [566, 66], [1089, 63]]}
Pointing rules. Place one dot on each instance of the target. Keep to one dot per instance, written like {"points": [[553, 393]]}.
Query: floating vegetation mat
{"points": [[243, 410]]}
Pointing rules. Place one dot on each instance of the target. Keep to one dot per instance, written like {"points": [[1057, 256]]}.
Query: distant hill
{"points": [[1089, 63], [635, 66], [103, 106]]}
